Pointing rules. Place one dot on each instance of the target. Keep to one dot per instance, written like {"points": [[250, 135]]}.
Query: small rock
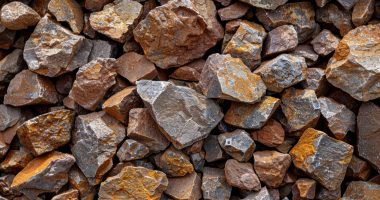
{"points": [[214, 185], [237, 144], [347, 4], [95, 5], [9, 116], [134, 67], [321, 3], [213, 150], [15, 160], [6, 37], [263, 194], [198, 160], [187, 187], [306, 51], [358, 169], [360, 190], [271, 5], [68, 11], [102, 49], [315, 80], [71, 194], [325, 42], [332, 14], [304, 188], [6, 138], [325, 194], [362, 12], [174, 163], [64, 83], [271, 135], [281, 39], [234, 11], [16, 16], [286, 145], [189, 72], [241, 175], [132, 150], [78, 181], [10, 65]]}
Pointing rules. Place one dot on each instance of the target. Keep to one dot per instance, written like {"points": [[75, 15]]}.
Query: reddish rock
{"points": [[358, 169], [95, 5], [16, 16], [134, 67], [9, 116], [281, 39], [361, 190], [71, 194], [325, 42], [214, 184], [189, 72], [271, 134], [68, 11], [15, 160], [304, 188], [241, 175], [237, 144], [6, 138], [362, 12], [185, 188], [233, 11]]}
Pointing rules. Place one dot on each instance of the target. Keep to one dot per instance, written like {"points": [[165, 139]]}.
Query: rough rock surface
{"points": [[362, 12], [332, 14], [233, 11], [10, 65], [9, 116], [315, 80], [134, 67], [263, 194], [281, 39], [271, 134], [15, 160], [212, 149], [174, 162], [237, 144], [325, 42], [78, 181], [17, 15], [358, 169], [361, 190], [306, 51], [68, 11], [132, 150], [241, 175], [214, 184], [271, 5], [187, 187], [304, 188]]}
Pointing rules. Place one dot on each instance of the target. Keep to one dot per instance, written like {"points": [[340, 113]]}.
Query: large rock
{"points": [[183, 115], [214, 185], [68, 11], [354, 68], [179, 32], [9, 116], [237, 144], [271, 5], [10, 65], [362, 12], [16, 16], [360, 190], [187, 187]]}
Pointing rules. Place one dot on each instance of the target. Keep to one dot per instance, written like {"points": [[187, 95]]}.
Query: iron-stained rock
{"points": [[241, 175], [10, 65], [68, 11], [325, 194], [15, 160], [185, 188], [304, 188], [362, 12], [78, 181], [306, 51], [360, 190], [281, 39], [271, 5], [358, 169], [214, 185], [233, 11], [134, 67], [6, 138], [16, 16], [315, 80], [9, 116], [332, 14], [174, 163], [271, 134], [325, 42], [189, 72], [132, 150], [237, 144]]}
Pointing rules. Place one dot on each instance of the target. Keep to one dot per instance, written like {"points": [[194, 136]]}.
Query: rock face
{"points": [[191, 117], [315, 80], [94, 143], [78, 181], [9, 116], [47, 173], [322, 157], [361, 190], [271, 135], [67, 51], [241, 175], [174, 163], [325, 42], [134, 67], [271, 5], [187, 187], [237, 144], [134, 183], [356, 52], [281, 39], [10, 65], [212, 149], [16, 16], [358, 169], [132, 150], [228, 78], [194, 21], [68, 11], [214, 185], [263, 194]]}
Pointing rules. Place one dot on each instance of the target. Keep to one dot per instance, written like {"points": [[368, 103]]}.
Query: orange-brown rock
{"points": [[362, 12], [174, 162], [68, 11], [78, 181], [325, 42], [15, 160], [189, 72], [134, 67], [304, 189], [360, 190], [271, 134], [233, 11], [71, 194], [16, 16], [214, 184], [185, 188], [241, 175], [5, 189], [358, 169]]}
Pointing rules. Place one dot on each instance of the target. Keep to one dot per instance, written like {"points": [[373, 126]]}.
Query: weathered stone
{"points": [[213, 150], [271, 166], [185, 188], [281, 39], [71, 194], [325, 42], [191, 118], [194, 148], [78, 181], [241, 175], [340, 119], [68, 11], [214, 185], [307, 52], [16, 16], [117, 19], [134, 183], [15, 160], [344, 98], [321, 3], [87, 29], [233, 11], [304, 188], [237, 144], [6, 138], [194, 21], [46, 173], [94, 143], [315, 80], [358, 169], [325, 194], [95, 5], [347, 4], [46, 132], [198, 160], [362, 12], [360, 190], [6, 37], [251, 116], [102, 49], [92, 82], [271, 5], [354, 67], [332, 14], [134, 67], [324, 158], [189, 72], [301, 108], [28, 88], [10, 65], [263, 194], [174, 163], [132, 150], [5, 186], [270, 135], [9, 116], [246, 43]]}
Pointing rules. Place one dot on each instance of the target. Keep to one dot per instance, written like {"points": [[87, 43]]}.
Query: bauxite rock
{"points": [[237, 144], [214, 185], [10, 65], [131, 150], [273, 4], [304, 188], [241, 175], [174, 162], [362, 12], [271, 134], [134, 67], [281, 39], [68, 11], [360, 190], [9, 116], [322, 157], [16, 16], [325, 42], [179, 32], [185, 188]]}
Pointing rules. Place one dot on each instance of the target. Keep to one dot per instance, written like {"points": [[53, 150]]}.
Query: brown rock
{"points": [[68, 11], [132, 150], [332, 14], [174, 162], [325, 194], [213, 150], [15, 160], [358, 169], [64, 83], [95, 5], [9, 116], [185, 188], [306, 51], [71, 194], [78, 181], [6, 138], [263, 194], [233, 11], [325, 42], [5, 189], [271, 135], [360, 190], [316, 80], [362, 12], [347, 4], [214, 185], [304, 188], [10, 65], [6, 37], [281, 39], [237, 144], [134, 67], [271, 5], [87, 29], [189, 72], [321, 3], [16, 16], [344, 98], [241, 175]]}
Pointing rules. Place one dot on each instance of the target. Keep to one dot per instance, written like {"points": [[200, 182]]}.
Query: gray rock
{"points": [[307, 52], [214, 184], [213, 150], [347, 4], [132, 150], [102, 49], [10, 65], [316, 80], [238, 144], [263, 194], [9, 116], [281, 39], [325, 42]]}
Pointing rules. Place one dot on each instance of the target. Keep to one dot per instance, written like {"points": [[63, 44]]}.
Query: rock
{"points": [[321, 3], [95, 5], [281, 39], [306, 51], [6, 138], [271, 134], [241, 175], [315, 80], [143, 128], [174, 163], [214, 185], [325, 194], [64, 83], [9, 116], [194, 21], [16, 16], [132, 150], [323, 158], [251, 116], [78, 181], [271, 5], [134, 67], [71, 194], [94, 143], [46, 173], [117, 19], [361, 190], [234, 11], [213, 150], [53, 57], [271, 166], [92, 82], [282, 72], [344, 98], [358, 169], [325, 42], [103, 49], [5, 189], [332, 14], [28, 88], [304, 188], [237, 144], [189, 72], [347, 4], [6, 37], [246, 43], [357, 51], [15, 160], [191, 118], [46, 132], [187, 187], [301, 108], [134, 183], [10, 65], [263, 194], [362, 12], [198, 160], [68, 11], [368, 123], [340, 119], [87, 29]]}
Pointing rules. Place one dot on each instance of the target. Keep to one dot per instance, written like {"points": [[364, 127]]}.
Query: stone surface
{"points": [[117, 19], [174, 163], [251, 116], [132, 150], [134, 67], [214, 185], [356, 52], [237, 144], [306, 51], [271, 5], [78, 181], [185, 188], [189, 72], [46, 132], [271, 134], [68, 11], [304, 188], [325, 42], [315, 80], [10, 65], [6, 37], [15, 160], [347, 4], [94, 144], [241, 175], [194, 21], [71, 194], [263, 194], [212, 149], [321, 3], [281, 39], [28, 88], [95, 5], [103, 49], [362, 12], [324, 158], [9, 116], [334, 15], [134, 183], [325, 194], [183, 115], [6, 138], [233, 11], [47, 173], [92, 82], [17, 15], [360, 190], [64, 83], [358, 169]]}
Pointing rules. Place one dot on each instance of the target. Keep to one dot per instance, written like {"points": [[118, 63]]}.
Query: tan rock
{"points": [[214, 185], [304, 188], [325, 42], [68, 11], [16, 16], [241, 175], [71, 194], [134, 67], [185, 188], [362, 12], [233, 11], [271, 134], [15, 160], [281, 39], [174, 162]]}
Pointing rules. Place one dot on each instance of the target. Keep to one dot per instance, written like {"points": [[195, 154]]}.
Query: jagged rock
{"points": [[304, 188], [241, 175], [94, 143], [360, 190], [191, 118], [233, 11], [78, 181], [194, 21], [71, 194], [354, 67], [102, 49], [15, 160], [134, 67], [68, 11], [189, 72], [315, 80], [16, 16], [271, 5], [324, 158], [332, 14], [198, 160], [9, 116], [64, 83], [174, 163], [10, 65], [46, 173], [237, 144], [358, 169], [214, 185], [281, 39], [92, 82], [213, 150], [271, 134], [347, 4], [362, 12], [325, 42], [6, 138], [306, 51], [187, 187], [251, 116], [263, 194], [132, 150]]}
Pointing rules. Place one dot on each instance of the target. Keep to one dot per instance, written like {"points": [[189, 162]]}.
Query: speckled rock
{"points": [[271, 5], [68, 11], [281, 39], [360, 190], [174, 162], [362, 12], [325, 42], [315, 80], [271, 134], [10, 65], [214, 185], [185, 188], [134, 67], [237, 144], [132, 150], [9, 116], [16, 16], [241, 175], [304, 188]]}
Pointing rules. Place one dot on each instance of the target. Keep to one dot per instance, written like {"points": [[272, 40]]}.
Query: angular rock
{"points": [[270, 5], [94, 143], [10, 65], [241, 175], [251, 116], [362, 12], [271, 166], [16, 16], [71, 194], [237, 144], [332, 14], [263, 194], [64, 83], [189, 72], [361, 190], [347, 4], [5, 189], [271, 134], [95, 5], [213, 150], [46, 173], [46, 132], [304, 188], [325, 42], [191, 118], [15, 160], [325, 194], [187, 187], [306, 51], [134, 67], [344, 98], [281, 39], [358, 169], [194, 21], [356, 52], [315, 80], [198, 160], [68, 11], [214, 185], [132, 150], [28, 88], [78, 181], [323, 158], [9, 116], [102, 49], [134, 183], [174, 163], [233, 11], [92, 82], [6, 138]]}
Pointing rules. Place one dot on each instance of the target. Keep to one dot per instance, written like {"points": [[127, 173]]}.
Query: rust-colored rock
{"points": [[132, 150], [315, 80], [214, 184], [358, 169], [304, 188], [68, 11], [332, 14], [325, 42], [306, 51], [362, 12], [16, 16], [271, 134], [71, 194], [233, 11], [134, 67], [185, 188], [360, 190], [15, 160], [271, 5], [10, 65], [189, 72], [281, 39], [78, 181], [241, 175], [174, 163], [237, 144]]}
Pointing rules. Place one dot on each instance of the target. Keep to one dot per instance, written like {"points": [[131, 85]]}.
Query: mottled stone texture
{"points": [[237, 144], [214, 185], [68, 11], [241, 175], [273, 4], [16, 16], [174, 163], [281, 39], [362, 191]]}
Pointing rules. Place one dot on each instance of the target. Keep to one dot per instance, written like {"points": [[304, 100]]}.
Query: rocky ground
{"points": [[190, 99]]}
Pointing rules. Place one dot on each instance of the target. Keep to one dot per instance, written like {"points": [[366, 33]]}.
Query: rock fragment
{"points": [[16, 16], [325, 42], [358, 169], [15, 160], [134, 67], [9, 116], [68, 11], [71, 194], [187, 187], [189, 72], [281, 39], [241, 175], [237, 144], [270, 5], [332, 14], [102, 49], [361, 190], [271, 134], [214, 185], [263, 194], [233, 11], [347, 4], [315, 80], [325, 194], [6, 138], [10, 65], [306, 51], [212, 149], [6, 37], [78, 181], [132, 150], [304, 188], [362, 12], [174, 163]]}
